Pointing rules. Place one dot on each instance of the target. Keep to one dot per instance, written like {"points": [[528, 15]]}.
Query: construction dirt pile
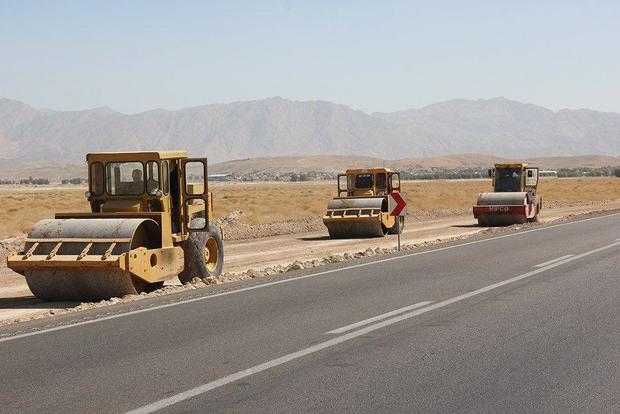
{"points": [[435, 214], [582, 203], [235, 230], [14, 244], [233, 227]]}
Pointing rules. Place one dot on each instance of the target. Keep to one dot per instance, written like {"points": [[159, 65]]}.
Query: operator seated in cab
{"points": [[137, 185], [508, 180]]}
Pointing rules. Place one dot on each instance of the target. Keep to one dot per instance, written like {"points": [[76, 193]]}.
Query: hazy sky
{"points": [[374, 56]]}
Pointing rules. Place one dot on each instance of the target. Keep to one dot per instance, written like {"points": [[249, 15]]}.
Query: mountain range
{"points": [[279, 127]]}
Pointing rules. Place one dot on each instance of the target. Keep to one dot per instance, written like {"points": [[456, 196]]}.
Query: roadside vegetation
{"points": [[417, 174]]}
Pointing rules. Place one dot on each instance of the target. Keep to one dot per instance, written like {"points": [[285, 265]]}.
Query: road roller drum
{"points": [[502, 199], [75, 240]]}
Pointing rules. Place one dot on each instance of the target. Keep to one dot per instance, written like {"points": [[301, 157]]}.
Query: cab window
{"points": [[394, 179], [363, 181], [195, 177], [508, 180], [152, 177], [165, 176], [124, 178], [381, 180], [96, 178]]}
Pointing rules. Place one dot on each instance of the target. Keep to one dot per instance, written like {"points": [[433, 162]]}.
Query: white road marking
{"points": [[555, 260], [186, 395], [378, 318], [295, 279]]}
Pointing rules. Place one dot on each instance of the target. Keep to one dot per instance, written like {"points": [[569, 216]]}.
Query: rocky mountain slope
{"points": [[277, 126]]}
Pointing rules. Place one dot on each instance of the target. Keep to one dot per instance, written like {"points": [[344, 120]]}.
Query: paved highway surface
{"points": [[520, 322]]}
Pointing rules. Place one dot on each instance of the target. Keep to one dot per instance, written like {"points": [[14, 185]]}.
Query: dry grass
{"points": [[20, 208], [268, 202]]}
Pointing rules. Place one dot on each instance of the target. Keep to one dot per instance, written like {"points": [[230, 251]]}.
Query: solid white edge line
{"points": [[378, 317], [185, 395], [554, 260], [277, 282]]}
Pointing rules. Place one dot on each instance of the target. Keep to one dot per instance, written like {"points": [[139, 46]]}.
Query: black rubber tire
{"points": [[385, 230], [394, 229], [193, 250]]}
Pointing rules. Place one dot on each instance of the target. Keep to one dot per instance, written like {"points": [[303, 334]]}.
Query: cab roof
{"points": [[374, 170], [511, 165], [136, 155]]}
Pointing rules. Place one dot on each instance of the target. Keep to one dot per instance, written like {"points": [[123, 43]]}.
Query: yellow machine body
{"points": [[361, 208], [143, 207]]}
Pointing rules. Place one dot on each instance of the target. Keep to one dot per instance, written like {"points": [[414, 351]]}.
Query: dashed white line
{"points": [[555, 260], [194, 392], [378, 318]]}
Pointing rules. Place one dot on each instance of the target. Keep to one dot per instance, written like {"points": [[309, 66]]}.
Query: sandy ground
{"points": [[255, 255]]}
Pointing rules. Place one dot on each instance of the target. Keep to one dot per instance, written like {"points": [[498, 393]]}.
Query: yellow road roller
{"points": [[149, 222], [514, 199], [361, 208]]}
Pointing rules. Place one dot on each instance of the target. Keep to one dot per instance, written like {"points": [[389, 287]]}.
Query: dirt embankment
{"points": [[233, 229], [14, 244]]}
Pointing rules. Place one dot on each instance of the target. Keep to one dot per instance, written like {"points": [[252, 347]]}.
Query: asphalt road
{"points": [[518, 322]]}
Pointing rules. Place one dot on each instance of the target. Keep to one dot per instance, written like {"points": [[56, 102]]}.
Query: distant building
{"points": [[220, 177], [548, 173]]}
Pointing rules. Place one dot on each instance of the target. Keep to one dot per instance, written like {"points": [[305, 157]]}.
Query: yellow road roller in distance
{"points": [[149, 222], [361, 208]]}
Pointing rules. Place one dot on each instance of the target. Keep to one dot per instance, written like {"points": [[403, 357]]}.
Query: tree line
{"points": [[40, 181]]}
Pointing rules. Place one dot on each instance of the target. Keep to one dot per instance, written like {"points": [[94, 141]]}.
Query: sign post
{"points": [[397, 207]]}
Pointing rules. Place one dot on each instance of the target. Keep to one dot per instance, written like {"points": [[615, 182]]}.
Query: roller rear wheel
{"points": [[204, 253]]}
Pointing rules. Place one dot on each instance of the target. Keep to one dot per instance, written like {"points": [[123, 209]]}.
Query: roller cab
{"points": [[514, 199], [361, 208], [149, 222]]}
